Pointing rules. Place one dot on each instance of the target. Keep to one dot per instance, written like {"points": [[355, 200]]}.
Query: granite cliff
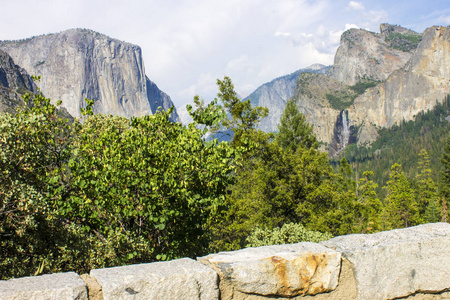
{"points": [[14, 83], [368, 55], [418, 86], [80, 63], [378, 80], [332, 98]]}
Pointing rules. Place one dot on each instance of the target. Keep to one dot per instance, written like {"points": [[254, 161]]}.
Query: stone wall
{"points": [[411, 263]]}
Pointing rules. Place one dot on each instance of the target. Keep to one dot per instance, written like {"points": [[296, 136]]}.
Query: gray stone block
{"points": [[60, 286], [400, 262], [281, 270], [183, 278]]}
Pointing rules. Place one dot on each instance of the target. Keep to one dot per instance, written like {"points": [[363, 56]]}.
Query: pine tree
{"points": [[445, 178], [294, 131], [426, 194], [444, 210], [401, 209], [370, 205]]}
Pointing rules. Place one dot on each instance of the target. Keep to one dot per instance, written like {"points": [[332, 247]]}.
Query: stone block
{"points": [[62, 286], [281, 270], [400, 262], [183, 278]]}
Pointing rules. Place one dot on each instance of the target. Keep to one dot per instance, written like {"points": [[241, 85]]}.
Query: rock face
{"points": [[79, 63], [389, 29], [14, 82], [398, 263], [416, 87], [398, 86], [64, 286], [158, 98], [344, 134], [366, 55], [311, 97], [363, 57], [283, 271], [178, 279], [276, 93], [12, 76]]}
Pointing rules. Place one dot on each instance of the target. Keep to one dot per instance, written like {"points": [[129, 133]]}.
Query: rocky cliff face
{"points": [[79, 63], [368, 55], [416, 87], [383, 95], [158, 98], [310, 98], [276, 93], [14, 82], [344, 134]]}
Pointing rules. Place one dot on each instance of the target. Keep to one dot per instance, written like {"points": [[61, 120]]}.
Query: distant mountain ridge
{"points": [[276, 93], [79, 63]]}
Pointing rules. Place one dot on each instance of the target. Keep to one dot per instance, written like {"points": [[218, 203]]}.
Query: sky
{"points": [[188, 44]]}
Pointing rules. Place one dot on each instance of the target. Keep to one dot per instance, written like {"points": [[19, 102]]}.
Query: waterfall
{"points": [[343, 134], [345, 129]]}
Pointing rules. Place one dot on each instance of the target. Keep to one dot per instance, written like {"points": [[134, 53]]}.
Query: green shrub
{"points": [[289, 233]]}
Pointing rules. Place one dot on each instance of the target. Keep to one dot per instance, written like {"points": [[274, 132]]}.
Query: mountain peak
{"points": [[316, 67], [388, 29], [81, 63]]}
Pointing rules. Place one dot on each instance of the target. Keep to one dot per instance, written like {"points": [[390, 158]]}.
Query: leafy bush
{"points": [[107, 192], [149, 177], [289, 233]]}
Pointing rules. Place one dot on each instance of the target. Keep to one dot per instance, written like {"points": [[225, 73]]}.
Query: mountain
{"points": [[277, 92], [14, 83], [79, 63], [358, 97], [416, 87], [368, 55]]}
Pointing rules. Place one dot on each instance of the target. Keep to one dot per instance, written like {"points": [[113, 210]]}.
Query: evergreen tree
{"points": [[400, 208], [273, 188], [426, 194], [345, 211], [371, 207], [445, 179], [294, 131]]}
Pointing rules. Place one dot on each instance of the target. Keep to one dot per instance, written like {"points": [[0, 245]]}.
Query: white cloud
{"points": [[355, 5], [349, 26], [369, 19], [285, 34], [445, 19], [376, 17]]}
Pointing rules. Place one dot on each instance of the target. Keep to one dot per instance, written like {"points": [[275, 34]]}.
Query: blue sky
{"points": [[188, 44]]}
